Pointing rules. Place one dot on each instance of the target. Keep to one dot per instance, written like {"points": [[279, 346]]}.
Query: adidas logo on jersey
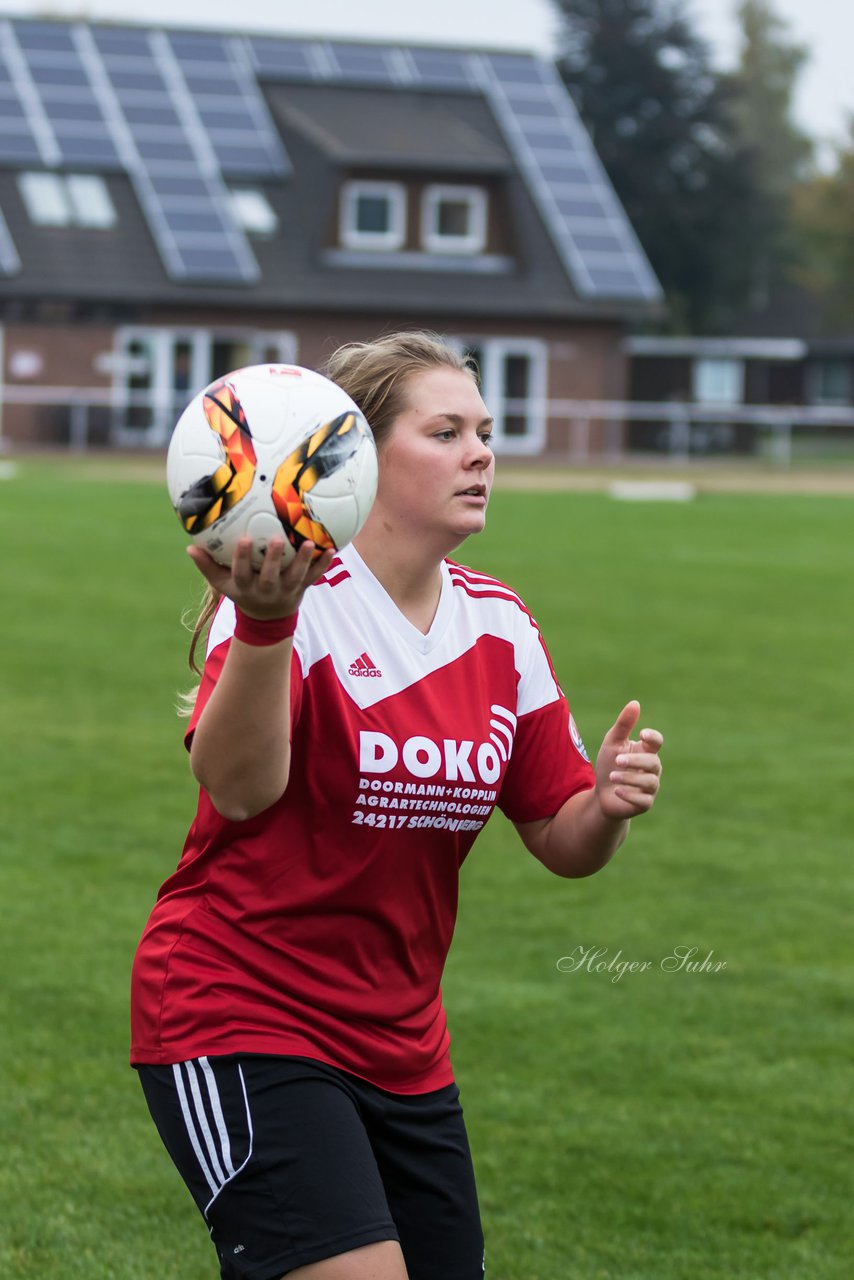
{"points": [[363, 666]]}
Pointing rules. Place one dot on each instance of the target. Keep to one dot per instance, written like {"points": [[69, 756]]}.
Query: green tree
{"points": [[763, 87], [823, 213], [664, 126]]}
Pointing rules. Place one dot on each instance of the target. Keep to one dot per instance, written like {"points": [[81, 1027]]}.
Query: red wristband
{"points": [[263, 631]]}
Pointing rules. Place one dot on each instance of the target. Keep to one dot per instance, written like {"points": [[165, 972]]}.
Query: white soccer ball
{"points": [[268, 450]]}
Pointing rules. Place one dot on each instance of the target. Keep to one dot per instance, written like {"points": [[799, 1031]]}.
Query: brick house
{"points": [[174, 204]]}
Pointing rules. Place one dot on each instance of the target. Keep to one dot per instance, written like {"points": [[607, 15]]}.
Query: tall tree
{"points": [[763, 87], [664, 126], [824, 217]]}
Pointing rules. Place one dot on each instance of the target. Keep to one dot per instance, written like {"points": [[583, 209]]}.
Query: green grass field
{"points": [[664, 1126]]}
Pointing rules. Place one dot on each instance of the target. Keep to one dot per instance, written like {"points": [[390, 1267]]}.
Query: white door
{"points": [[157, 371]]}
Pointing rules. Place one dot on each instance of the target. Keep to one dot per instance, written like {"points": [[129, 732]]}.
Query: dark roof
{"points": [[389, 128], [294, 117], [296, 272], [78, 262]]}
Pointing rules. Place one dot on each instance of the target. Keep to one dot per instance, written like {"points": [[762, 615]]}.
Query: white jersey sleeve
{"points": [[549, 762]]}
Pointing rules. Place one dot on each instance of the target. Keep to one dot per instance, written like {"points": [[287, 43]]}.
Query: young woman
{"points": [[358, 719]]}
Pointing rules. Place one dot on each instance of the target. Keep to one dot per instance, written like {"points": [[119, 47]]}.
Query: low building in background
{"points": [[782, 374]]}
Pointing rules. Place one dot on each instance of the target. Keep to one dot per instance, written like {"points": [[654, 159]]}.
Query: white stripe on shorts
{"points": [[202, 1119], [219, 1118], [235, 1172], [210, 1157], [191, 1128]]}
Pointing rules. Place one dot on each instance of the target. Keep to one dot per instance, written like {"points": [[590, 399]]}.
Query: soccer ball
{"points": [[268, 450]]}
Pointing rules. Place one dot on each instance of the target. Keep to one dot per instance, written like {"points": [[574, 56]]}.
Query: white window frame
{"points": [[90, 200], [705, 368], [252, 211], [166, 405], [432, 239], [67, 199], [350, 235], [815, 383], [45, 198], [494, 353]]}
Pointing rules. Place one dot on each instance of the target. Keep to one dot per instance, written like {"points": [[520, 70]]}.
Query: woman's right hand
{"points": [[271, 592]]}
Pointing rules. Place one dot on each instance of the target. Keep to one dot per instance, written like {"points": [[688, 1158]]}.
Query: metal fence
{"points": [[575, 431], [781, 434]]}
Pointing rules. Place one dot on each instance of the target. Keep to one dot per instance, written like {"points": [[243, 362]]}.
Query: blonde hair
{"points": [[207, 609], [375, 375]]}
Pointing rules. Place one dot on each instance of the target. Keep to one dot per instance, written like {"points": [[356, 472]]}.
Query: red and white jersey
{"points": [[320, 927]]}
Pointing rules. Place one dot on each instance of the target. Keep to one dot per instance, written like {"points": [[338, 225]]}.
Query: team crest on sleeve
{"points": [[577, 740]]}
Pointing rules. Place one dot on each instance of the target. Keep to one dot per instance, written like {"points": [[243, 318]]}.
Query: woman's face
{"points": [[436, 464]]}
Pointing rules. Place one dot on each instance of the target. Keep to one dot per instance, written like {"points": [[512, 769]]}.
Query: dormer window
{"points": [[453, 219], [67, 200], [373, 215]]}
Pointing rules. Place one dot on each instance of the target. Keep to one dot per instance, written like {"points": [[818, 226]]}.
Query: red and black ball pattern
{"points": [[322, 453], [212, 496]]}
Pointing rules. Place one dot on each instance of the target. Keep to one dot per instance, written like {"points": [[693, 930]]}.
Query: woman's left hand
{"points": [[628, 774]]}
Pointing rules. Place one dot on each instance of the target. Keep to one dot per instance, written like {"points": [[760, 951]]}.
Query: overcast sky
{"points": [[825, 99]]}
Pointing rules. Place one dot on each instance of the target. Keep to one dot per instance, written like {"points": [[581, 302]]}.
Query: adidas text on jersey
{"points": [[363, 666]]}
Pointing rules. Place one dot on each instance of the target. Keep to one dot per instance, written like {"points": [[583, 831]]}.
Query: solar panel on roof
{"points": [[16, 148], [214, 238], [94, 153], [120, 40], [63, 93], [567, 179], [197, 47], [20, 78], [370, 63], [584, 205], [219, 79], [230, 109], [529, 112], [80, 129], [166, 159], [442, 68], [194, 222], [593, 242], [151, 113], [242, 161], [56, 75], [59, 98], [516, 69], [181, 244], [613, 280], [174, 150], [50, 36], [75, 111], [569, 171], [166, 185], [66, 125], [217, 114], [280, 57], [209, 262], [146, 79]]}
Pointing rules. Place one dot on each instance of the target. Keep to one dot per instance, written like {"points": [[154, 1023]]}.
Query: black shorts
{"points": [[291, 1161]]}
